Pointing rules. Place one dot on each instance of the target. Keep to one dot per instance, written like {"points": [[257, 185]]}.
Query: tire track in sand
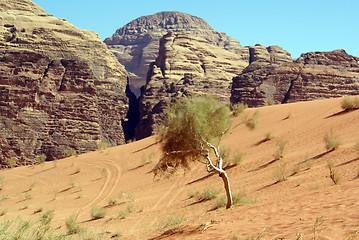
{"points": [[112, 180]]}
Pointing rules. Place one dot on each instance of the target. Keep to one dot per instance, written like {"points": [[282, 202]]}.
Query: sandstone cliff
{"points": [[60, 87], [136, 44], [188, 66], [314, 75]]}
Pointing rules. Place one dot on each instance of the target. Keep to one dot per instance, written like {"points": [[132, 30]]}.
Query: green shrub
{"points": [[332, 141], [69, 151], [113, 201], [41, 158], [350, 103], [102, 144], [238, 108], [238, 199], [97, 213], [334, 174], [208, 193], [123, 214], [171, 221], [280, 173], [39, 210], [11, 162], [281, 144], [71, 226], [268, 136]]}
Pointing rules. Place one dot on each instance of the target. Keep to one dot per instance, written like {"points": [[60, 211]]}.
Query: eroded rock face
{"points": [[136, 44], [186, 66], [60, 87], [314, 75]]}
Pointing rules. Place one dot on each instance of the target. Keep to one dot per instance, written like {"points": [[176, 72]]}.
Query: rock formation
{"points": [[188, 66], [136, 44], [313, 75], [60, 87]]}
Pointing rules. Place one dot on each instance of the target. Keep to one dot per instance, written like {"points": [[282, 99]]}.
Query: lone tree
{"points": [[188, 133]]}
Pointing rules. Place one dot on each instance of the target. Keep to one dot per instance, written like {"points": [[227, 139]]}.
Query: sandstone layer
{"points": [[60, 87], [189, 66], [314, 75], [136, 44]]}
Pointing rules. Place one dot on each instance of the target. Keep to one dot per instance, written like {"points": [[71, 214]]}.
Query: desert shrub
{"points": [[41, 158], [69, 151], [171, 221], [193, 194], [280, 173], [131, 208], [238, 108], [11, 162], [281, 144], [237, 158], [350, 103], [208, 193], [123, 214], [113, 201], [333, 173], [238, 198], [332, 141], [28, 196], [78, 170], [97, 213], [73, 183], [268, 136], [102, 144], [252, 123], [71, 226], [270, 101]]}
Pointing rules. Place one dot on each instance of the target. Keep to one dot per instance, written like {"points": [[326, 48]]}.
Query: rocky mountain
{"points": [[136, 44], [313, 75], [188, 66], [61, 90]]}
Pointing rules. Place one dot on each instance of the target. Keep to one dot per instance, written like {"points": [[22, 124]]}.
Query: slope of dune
{"points": [[282, 210]]}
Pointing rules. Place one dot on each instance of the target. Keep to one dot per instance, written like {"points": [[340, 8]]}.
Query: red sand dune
{"points": [[282, 210]]}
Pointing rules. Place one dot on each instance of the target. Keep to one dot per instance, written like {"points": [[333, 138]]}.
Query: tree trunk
{"points": [[225, 179]]}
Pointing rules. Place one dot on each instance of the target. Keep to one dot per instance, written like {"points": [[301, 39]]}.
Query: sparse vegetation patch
{"points": [[350, 103], [332, 141]]}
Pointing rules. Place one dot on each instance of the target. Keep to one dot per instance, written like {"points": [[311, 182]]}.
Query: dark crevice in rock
{"points": [[133, 115]]}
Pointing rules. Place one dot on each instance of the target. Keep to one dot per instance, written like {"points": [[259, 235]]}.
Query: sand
{"points": [[282, 210]]}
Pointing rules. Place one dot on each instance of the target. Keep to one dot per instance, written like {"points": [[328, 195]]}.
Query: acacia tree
{"points": [[194, 128]]}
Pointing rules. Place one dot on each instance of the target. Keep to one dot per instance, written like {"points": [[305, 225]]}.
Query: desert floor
{"points": [[281, 209]]}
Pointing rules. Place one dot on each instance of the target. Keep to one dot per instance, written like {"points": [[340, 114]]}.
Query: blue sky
{"points": [[298, 26]]}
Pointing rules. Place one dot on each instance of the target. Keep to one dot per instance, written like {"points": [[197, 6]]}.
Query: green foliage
{"points": [[123, 214], [69, 151], [350, 103], [113, 201], [172, 221], [238, 199], [189, 123], [208, 193], [332, 141], [238, 108], [41, 158], [102, 144], [268, 136], [11, 162], [252, 123], [270, 101], [97, 213], [334, 174], [281, 144], [71, 226], [280, 173]]}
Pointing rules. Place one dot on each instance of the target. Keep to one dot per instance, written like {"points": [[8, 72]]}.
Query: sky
{"points": [[299, 26]]}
